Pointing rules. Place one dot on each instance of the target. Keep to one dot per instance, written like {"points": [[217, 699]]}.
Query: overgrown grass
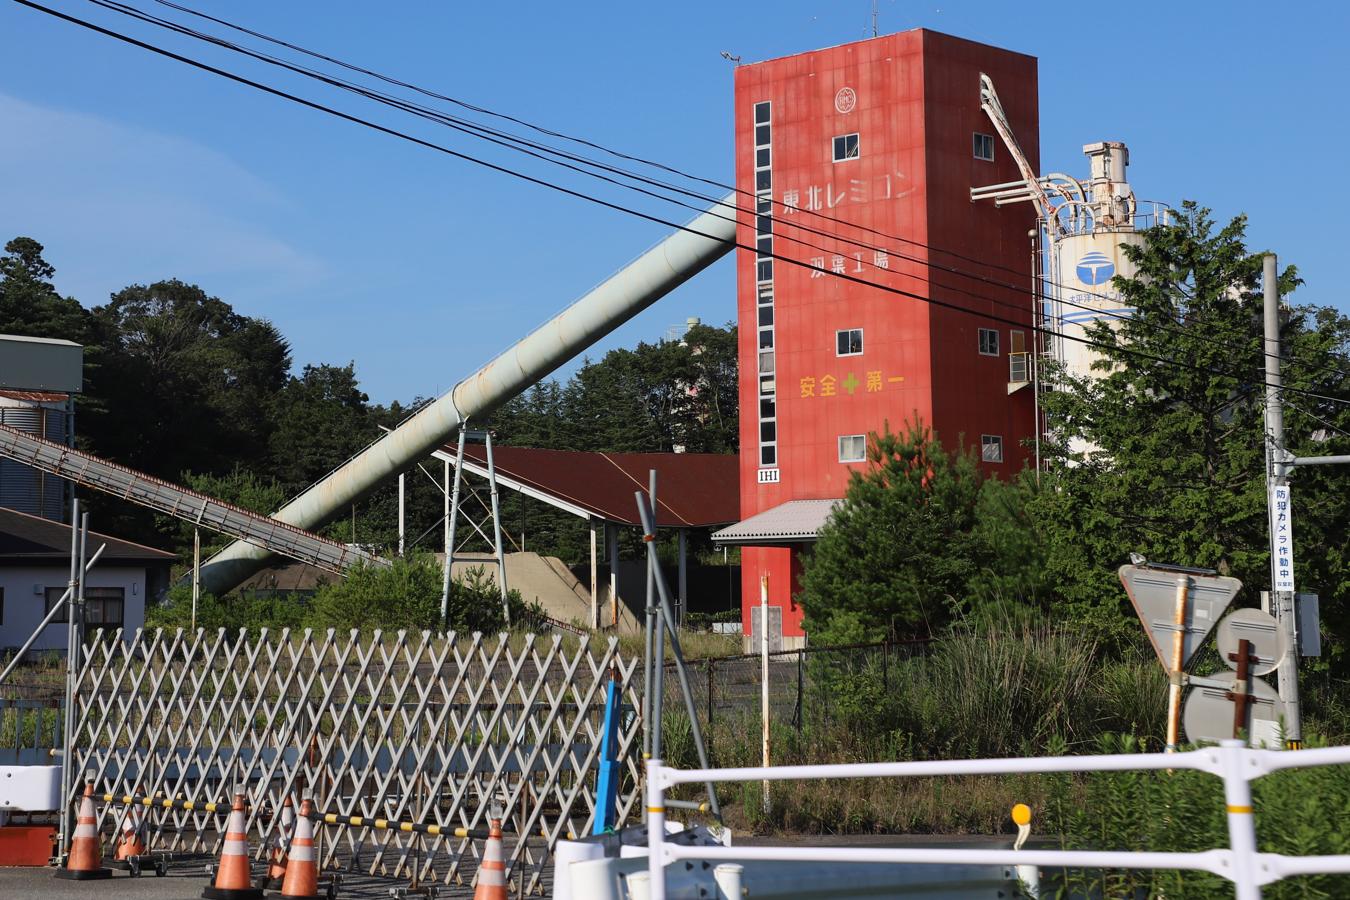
{"points": [[1034, 690]]}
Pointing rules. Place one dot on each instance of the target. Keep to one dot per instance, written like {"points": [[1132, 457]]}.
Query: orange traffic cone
{"points": [[132, 843], [276, 867], [302, 869], [233, 881], [85, 859], [492, 871]]}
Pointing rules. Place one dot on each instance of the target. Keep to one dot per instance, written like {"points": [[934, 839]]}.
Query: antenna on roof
{"points": [[874, 18], [734, 60]]}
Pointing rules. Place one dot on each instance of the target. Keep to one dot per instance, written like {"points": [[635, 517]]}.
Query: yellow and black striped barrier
{"points": [[166, 803], [324, 818]]}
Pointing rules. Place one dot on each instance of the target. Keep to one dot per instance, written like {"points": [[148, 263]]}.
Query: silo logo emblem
{"points": [[1095, 268], [845, 100]]}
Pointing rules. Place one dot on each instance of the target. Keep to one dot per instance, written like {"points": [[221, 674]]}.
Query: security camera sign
{"points": [[1282, 532]]}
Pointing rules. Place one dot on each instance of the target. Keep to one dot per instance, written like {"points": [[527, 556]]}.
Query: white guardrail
{"points": [[1232, 761]]}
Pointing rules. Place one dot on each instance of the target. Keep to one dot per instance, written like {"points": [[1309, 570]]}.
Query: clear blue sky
{"points": [[132, 168]]}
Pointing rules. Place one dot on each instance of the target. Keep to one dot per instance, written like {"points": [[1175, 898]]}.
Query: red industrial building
{"points": [[861, 158]]}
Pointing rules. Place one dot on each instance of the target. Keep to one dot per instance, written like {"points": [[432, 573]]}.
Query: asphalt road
{"points": [[181, 884]]}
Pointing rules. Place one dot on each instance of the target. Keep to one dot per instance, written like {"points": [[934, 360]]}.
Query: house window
{"points": [[845, 147], [104, 607], [852, 448], [988, 342], [991, 448], [848, 342], [984, 147]]}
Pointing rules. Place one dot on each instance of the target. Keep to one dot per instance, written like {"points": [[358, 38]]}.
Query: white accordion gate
{"points": [[433, 729]]}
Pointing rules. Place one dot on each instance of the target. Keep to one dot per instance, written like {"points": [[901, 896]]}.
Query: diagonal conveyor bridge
{"points": [[261, 531]]}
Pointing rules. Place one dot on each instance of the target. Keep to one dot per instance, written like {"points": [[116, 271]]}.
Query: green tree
{"points": [[1162, 452], [185, 382], [322, 418], [901, 549], [29, 303], [406, 595]]}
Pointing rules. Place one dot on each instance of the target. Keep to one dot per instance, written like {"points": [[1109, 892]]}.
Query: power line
{"points": [[319, 107], [657, 165], [517, 143]]}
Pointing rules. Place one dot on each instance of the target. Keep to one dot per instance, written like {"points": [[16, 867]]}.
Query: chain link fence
{"points": [[802, 683]]}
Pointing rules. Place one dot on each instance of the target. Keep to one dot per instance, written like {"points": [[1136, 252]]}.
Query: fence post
{"points": [[1237, 796], [656, 832], [800, 711], [711, 664]]}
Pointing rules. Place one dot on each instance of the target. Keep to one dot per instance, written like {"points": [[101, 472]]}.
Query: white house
{"points": [[35, 568]]}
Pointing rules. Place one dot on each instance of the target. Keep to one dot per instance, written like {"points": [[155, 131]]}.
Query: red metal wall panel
{"points": [[913, 100]]}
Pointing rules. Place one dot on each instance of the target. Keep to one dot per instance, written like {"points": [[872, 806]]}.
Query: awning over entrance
{"points": [[794, 522]]}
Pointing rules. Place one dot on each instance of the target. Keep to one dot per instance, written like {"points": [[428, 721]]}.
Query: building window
{"points": [[848, 342], [766, 339], [766, 362], [103, 607], [852, 448], [764, 270], [763, 180], [766, 315], [984, 147], [991, 448], [768, 455], [762, 113], [845, 147], [988, 342]]}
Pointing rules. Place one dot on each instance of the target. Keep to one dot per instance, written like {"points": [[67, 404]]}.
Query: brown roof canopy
{"points": [[25, 538], [693, 490]]}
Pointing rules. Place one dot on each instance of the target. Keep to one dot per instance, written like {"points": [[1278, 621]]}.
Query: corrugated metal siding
{"points": [[28, 490]]}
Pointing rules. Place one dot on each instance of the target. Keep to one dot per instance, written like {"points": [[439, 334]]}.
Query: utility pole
{"points": [[1278, 462]]}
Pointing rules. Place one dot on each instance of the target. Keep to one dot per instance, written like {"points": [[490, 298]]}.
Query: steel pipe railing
{"points": [[1231, 761]]}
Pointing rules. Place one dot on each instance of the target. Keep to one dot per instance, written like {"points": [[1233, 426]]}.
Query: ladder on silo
{"points": [[90, 471]]}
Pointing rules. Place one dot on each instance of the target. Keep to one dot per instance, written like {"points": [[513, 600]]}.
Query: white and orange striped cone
{"points": [[276, 866], [233, 875], [302, 869], [132, 842], [492, 870], [84, 860]]}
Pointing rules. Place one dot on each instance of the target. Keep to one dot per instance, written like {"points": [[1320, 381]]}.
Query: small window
{"points": [[764, 246], [766, 407], [984, 147], [763, 180], [762, 113], [764, 270], [766, 339], [848, 342], [988, 342], [761, 135], [53, 596], [763, 225], [766, 385], [767, 431], [768, 455], [766, 362], [845, 147], [991, 448], [766, 314], [762, 158], [852, 448]]}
